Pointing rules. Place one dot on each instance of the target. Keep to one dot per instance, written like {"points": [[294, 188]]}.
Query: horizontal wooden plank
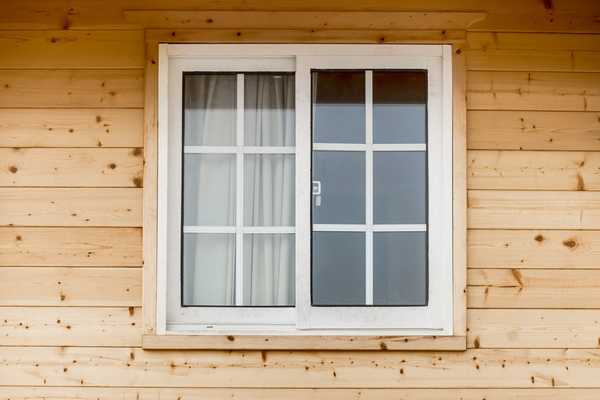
{"points": [[575, 15], [348, 343], [545, 91], [71, 49], [88, 247], [509, 51], [108, 393], [531, 60], [212, 19], [53, 88], [533, 130], [494, 209], [532, 41], [71, 127], [482, 368], [533, 288], [533, 170], [62, 286], [303, 36], [533, 249], [70, 326], [71, 207], [533, 329], [71, 167]]}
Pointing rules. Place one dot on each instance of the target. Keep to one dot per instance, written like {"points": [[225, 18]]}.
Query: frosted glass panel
{"points": [[338, 268], [269, 109], [338, 99], [399, 106], [209, 189], [209, 109], [269, 270], [400, 268], [341, 176], [269, 190], [208, 269], [399, 186]]}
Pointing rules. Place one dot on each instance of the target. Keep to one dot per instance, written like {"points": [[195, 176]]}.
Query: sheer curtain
{"points": [[210, 190], [269, 190]]}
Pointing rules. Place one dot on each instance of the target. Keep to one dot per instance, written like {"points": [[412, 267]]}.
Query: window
{"points": [[305, 190]]}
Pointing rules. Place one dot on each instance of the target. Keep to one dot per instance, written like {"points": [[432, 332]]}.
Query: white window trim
{"points": [[305, 319]]}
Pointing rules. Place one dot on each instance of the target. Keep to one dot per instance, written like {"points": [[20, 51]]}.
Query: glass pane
{"points": [[399, 186], [269, 183], [269, 274], [209, 189], [400, 268], [338, 99], [209, 109], [338, 268], [341, 178], [399, 106], [208, 269], [269, 109]]}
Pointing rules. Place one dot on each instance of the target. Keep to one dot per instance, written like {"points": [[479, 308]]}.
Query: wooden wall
{"points": [[71, 161]]}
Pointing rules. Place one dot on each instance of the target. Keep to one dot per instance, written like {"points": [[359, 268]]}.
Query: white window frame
{"points": [[435, 318]]}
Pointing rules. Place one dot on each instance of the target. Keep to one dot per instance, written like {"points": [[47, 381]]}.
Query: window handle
{"points": [[316, 191]]}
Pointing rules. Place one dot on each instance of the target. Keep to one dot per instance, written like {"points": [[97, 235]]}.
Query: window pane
{"points": [[399, 185], [269, 270], [209, 189], [209, 109], [269, 109], [338, 99], [399, 106], [338, 268], [341, 175], [400, 268], [208, 269], [269, 181]]}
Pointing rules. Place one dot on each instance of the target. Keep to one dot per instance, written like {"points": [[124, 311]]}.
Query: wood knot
{"points": [[383, 346], [458, 52], [13, 169], [137, 181], [570, 243], [136, 152], [112, 165], [539, 238], [209, 21], [230, 338]]}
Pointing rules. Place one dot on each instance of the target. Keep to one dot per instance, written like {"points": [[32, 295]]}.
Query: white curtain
{"points": [[209, 186]]}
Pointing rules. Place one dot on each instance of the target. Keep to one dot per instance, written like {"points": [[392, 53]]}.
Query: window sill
{"points": [[249, 342]]}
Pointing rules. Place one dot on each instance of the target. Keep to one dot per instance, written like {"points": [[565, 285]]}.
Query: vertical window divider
{"points": [[369, 187], [239, 179]]}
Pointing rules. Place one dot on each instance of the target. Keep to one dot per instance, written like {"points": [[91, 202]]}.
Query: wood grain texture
{"points": [[65, 326], [71, 127], [55, 88], [308, 342], [545, 91], [71, 49], [494, 209], [507, 51], [108, 393], [482, 368], [368, 20], [303, 36], [71, 207], [71, 167], [533, 288], [533, 249], [533, 329], [67, 286], [533, 130], [88, 247], [533, 170]]}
